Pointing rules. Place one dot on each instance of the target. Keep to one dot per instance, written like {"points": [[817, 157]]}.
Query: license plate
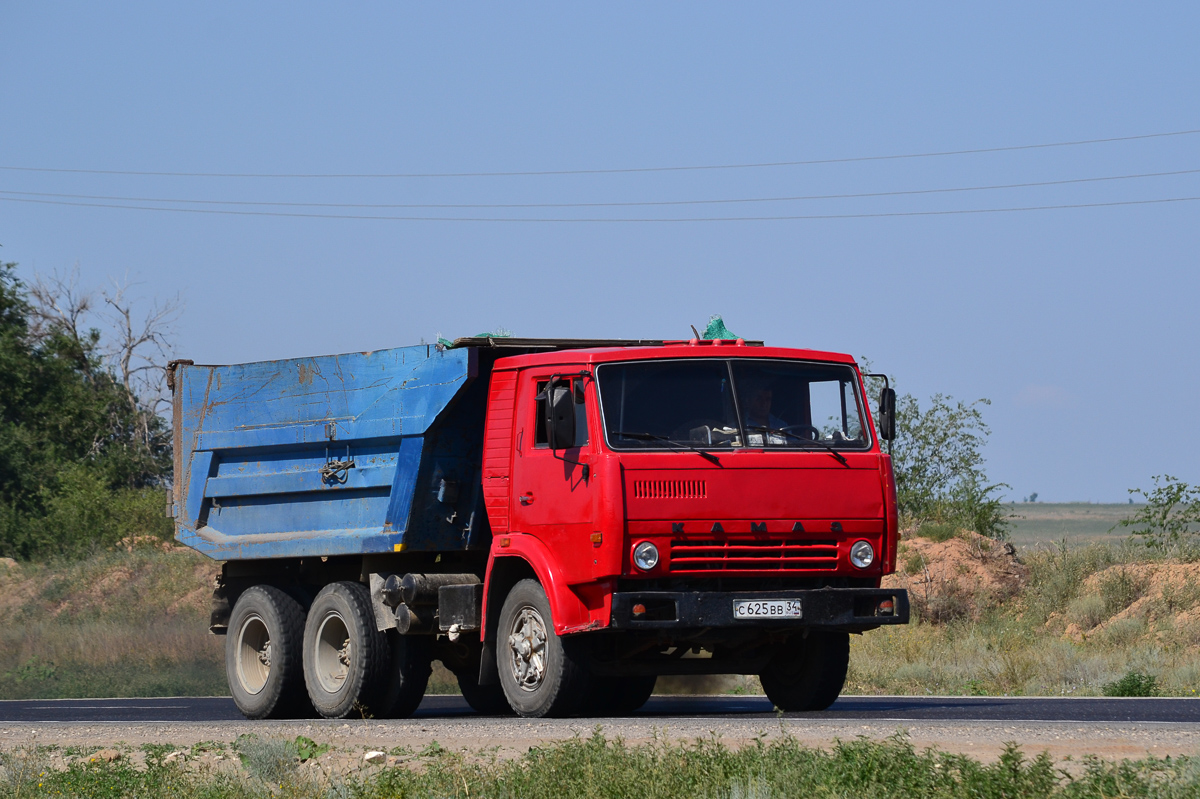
{"points": [[766, 608]]}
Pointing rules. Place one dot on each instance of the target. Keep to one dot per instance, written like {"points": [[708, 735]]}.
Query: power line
{"points": [[644, 203], [877, 215], [617, 171]]}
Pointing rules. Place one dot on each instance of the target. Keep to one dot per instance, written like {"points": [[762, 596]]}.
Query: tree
{"points": [[939, 465], [80, 453]]}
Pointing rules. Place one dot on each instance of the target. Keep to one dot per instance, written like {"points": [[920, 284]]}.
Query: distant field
{"points": [[1035, 524]]}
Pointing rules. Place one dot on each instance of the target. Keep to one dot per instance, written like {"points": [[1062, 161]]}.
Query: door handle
{"points": [[526, 498]]}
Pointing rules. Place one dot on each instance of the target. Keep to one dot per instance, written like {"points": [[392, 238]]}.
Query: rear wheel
{"points": [[463, 658], [487, 700], [345, 657], [409, 664], [619, 695], [542, 675], [262, 655], [808, 673]]}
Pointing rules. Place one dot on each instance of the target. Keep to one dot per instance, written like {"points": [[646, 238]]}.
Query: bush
{"points": [[81, 514], [938, 460], [1120, 590], [1135, 683], [1087, 611], [1170, 519]]}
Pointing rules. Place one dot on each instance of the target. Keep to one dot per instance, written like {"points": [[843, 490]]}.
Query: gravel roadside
{"points": [[509, 737]]}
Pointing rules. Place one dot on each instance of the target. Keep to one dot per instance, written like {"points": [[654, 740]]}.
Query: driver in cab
{"points": [[759, 399]]}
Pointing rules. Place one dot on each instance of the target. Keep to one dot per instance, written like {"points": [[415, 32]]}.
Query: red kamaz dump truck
{"points": [[558, 521]]}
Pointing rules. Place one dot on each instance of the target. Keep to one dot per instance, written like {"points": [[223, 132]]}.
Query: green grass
{"points": [[597, 767]]}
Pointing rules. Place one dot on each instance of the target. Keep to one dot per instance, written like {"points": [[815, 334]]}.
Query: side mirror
{"points": [[560, 416], [887, 414]]}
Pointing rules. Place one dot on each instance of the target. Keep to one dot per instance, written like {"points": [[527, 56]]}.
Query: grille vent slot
{"points": [[726, 555], [670, 489]]}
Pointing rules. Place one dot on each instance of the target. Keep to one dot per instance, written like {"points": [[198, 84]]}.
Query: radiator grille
{"points": [[755, 554], [669, 489]]}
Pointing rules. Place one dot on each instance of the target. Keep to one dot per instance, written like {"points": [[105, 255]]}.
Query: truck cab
{"points": [[698, 498], [558, 521]]}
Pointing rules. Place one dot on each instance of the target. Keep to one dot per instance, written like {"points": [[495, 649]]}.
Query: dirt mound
{"points": [[1135, 599], [960, 577]]}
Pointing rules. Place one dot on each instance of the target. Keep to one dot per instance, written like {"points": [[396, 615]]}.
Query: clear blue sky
{"points": [[1079, 324]]}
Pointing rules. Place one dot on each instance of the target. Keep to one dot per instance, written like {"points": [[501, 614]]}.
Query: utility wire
{"points": [[626, 170], [657, 203], [230, 212]]}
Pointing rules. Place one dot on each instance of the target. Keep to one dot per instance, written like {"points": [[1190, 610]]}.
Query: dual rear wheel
{"points": [[283, 663]]}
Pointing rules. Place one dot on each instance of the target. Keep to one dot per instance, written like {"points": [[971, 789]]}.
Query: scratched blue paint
{"points": [[252, 440]]}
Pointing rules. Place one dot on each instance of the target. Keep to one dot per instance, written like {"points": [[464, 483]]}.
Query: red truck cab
{"points": [[694, 507]]}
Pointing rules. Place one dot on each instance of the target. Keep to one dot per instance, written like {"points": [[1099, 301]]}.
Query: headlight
{"points": [[645, 556], [862, 554]]}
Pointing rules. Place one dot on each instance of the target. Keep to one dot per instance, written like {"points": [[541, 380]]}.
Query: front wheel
{"points": [[808, 673], [542, 674]]}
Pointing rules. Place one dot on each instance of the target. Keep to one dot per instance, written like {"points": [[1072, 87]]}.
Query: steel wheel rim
{"points": [[253, 650], [527, 649], [334, 652]]}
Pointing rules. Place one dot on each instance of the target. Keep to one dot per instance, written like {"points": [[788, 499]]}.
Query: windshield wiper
{"points": [[829, 449], [666, 440]]}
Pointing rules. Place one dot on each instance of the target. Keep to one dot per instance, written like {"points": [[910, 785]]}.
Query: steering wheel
{"points": [[804, 431]]}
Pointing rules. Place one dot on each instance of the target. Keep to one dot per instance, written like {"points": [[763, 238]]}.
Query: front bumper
{"points": [[849, 609]]}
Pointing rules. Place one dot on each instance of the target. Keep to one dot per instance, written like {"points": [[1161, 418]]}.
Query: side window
{"points": [[581, 426]]}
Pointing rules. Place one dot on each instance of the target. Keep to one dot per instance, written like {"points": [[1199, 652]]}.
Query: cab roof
{"points": [[550, 352]]}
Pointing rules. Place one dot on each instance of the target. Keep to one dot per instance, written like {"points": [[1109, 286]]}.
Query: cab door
{"points": [[552, 489]]}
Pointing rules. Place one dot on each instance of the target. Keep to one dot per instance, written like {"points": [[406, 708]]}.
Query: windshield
{"points": [[723, 404]]}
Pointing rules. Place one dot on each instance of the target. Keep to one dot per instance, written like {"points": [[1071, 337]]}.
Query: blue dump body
{"points": [[334, 455]]}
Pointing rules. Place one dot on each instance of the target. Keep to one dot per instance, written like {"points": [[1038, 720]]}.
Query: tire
{"points": [[542, 675], [486, 700], [410, 663], [346, 659], [462, 658], [263, 655], [616, 696], [808, 673]]}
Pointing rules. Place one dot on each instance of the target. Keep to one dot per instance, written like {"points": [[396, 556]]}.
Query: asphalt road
{"points": [[866, 708]]}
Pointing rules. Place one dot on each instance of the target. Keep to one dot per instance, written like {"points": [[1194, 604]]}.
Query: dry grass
{"points": [[1069, 622], [123, 623]]}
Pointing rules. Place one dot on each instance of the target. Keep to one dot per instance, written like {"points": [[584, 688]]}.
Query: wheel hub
{"points": [[334, 653], [253, 654], [527, 649]]}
